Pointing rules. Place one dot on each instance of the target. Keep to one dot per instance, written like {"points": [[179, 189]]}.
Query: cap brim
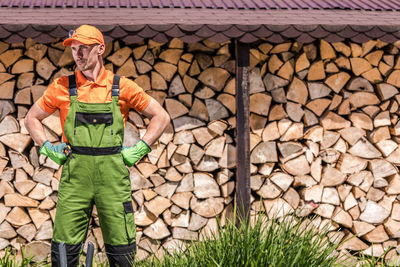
{"points": [[68, 41]]}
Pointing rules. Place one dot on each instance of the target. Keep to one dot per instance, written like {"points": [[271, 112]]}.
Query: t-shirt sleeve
{"points": [[49, 101], [134, 95]]}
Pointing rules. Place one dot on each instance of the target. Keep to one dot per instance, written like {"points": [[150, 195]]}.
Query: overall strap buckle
{"points": [[115, 86]]}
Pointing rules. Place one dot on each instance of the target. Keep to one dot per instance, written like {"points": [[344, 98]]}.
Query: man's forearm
{"points": [[35, 129], [156, 127]]}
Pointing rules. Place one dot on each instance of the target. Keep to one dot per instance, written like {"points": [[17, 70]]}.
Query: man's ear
{"points": [[100, 49]]}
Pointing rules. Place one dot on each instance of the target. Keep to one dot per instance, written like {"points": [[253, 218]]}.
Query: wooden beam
{"points": [[242, 52]]}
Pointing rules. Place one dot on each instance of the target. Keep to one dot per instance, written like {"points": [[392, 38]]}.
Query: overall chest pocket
{"points": [[93, 129], [95, 118]]}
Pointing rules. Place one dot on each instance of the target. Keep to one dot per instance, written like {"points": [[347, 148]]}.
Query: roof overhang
{"points": [[132, 25]]}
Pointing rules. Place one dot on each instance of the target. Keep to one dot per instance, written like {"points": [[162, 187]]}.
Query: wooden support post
{"points": [[242, 130]]}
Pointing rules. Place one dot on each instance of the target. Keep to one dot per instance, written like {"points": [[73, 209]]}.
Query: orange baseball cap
{"points": [[85, 34]]}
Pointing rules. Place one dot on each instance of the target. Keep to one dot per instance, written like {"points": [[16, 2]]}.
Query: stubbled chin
{"points": [[81, 66]]}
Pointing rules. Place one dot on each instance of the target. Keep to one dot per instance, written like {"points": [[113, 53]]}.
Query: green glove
{"points": [[54, 152], [134, 153]]}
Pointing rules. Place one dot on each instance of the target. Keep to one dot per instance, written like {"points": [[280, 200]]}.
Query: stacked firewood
{"points": [[178, 190], [323, 136], [325, 141]]}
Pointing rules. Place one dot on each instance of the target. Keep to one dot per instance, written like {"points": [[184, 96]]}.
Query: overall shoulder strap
{"points": [[72, 85], [115, 86]]}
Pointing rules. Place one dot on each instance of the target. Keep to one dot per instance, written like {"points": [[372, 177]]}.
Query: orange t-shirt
{"points": [[56, 96]]}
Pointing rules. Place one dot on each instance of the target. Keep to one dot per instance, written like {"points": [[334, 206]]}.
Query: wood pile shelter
{"points": [[335, 67]]}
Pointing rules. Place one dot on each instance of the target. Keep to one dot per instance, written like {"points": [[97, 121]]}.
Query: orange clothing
{"points": [[56, 96]]}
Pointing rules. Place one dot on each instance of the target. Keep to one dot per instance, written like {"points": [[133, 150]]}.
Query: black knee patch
{"points": [[128, 207], [129, 221], [121, 255], [72, 254]]}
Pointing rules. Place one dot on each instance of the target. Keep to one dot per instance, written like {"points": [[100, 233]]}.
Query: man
{"points": [[93, 105]]}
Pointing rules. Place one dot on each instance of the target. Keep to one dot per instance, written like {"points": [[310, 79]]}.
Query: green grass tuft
{"points": [[284, 242], [288, 242], [10, 260]]}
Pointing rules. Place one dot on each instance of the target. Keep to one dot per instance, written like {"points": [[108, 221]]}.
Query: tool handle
{"points": [[63, 254], [67, 150], [89, 255]]}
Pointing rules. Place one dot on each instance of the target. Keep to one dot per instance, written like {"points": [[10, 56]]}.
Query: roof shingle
{"points": [[387, 5], [302, 20]]}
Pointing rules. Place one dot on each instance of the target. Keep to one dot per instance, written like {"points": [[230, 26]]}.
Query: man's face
{"points": [[86, 56]]}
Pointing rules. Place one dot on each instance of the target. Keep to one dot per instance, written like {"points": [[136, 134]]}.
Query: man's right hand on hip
{"points": [[54, 152]]}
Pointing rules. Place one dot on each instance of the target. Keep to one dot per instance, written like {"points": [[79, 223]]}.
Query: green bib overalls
{"points": [[95, 174]]}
